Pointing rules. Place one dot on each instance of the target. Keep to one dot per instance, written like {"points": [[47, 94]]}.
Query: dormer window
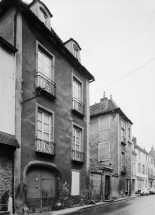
{"points": [[75, 51], [43, 16]]}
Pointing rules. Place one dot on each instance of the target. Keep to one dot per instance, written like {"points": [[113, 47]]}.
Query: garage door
{"points": [[41, 189]]}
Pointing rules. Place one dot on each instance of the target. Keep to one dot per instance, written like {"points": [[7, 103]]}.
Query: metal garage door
{"points": [[41, 189]]}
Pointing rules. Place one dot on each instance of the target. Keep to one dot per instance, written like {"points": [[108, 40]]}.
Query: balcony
{"points": [[123, 169], [78, 108], [45, 147], [77, 156], [151, 177], [46, 86], [123, 140]]}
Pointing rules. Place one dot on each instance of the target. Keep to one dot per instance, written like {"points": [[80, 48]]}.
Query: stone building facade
{"points": [[110, 151], [54, 110]]}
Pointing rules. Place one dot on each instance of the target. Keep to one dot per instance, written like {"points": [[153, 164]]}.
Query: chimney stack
{"points": [[104, 103]]}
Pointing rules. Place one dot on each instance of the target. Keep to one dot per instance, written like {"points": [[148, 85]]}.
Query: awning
{"points": [[8, 139]]}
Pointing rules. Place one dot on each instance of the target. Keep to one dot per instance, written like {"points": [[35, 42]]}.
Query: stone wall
{"points": [[6, 175]]}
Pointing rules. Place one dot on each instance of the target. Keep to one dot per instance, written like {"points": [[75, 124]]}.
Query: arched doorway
{"points": [[42, 186]]}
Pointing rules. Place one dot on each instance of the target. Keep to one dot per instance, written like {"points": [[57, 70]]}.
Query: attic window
{"points": [[75, 50], [43, 16]]}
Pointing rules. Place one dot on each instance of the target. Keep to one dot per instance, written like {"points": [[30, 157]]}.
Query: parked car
{"points": [[151, 190], [144, 192], [138, 192]]}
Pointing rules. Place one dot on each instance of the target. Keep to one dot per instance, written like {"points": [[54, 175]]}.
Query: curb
{"points": [[88, 207]]}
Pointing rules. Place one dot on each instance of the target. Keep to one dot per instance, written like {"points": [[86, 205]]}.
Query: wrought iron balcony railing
{"points": [[45, 147], [46, 84], [78, 107], [123, 140], [123, 169], [151, 177], [77, 156]]}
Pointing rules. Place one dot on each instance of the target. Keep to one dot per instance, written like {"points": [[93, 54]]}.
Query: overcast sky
{"points": [[117, 38]]}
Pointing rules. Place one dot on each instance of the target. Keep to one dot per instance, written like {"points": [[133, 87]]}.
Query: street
{"points": [[144, 205]]}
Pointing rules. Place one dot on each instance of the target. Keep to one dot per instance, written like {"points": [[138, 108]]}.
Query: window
{"points": [[77, 89], [77, 148], [45, 133], [45, 65], [75, 50], [104, 123], [139, 168], [75, 187], [45, 74], [129, 133], [122, 132], [104, 151], [123, 159], [143, 169], [43, 15], [78, 96]]}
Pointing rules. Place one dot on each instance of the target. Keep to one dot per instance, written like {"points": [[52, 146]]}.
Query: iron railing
{"points": [[46, 84], [45, 147], [77, 156], [123, 140], [78, 106], [151, 177]]}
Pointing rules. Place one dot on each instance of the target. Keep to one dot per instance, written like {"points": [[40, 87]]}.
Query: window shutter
{"points": [[103, 151]]}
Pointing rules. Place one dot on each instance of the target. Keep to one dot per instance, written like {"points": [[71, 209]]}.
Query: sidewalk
{"points": [[81, 208]]}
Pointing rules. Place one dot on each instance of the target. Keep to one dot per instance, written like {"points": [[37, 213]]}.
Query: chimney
{"points": [[134, 140], [104, 103]]}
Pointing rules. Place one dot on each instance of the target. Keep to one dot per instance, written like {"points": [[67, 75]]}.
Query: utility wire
{"points": [[98, 20], [124, 76]]}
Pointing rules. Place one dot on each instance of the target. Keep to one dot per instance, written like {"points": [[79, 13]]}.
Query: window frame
{"points": [[82, 135], [38, 106], [49, 55], [100, 122], [75, 50], [45, 16], [74, 77], [99, 150]]}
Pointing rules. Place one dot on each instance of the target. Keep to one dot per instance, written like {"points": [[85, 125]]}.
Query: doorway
{"points": [[41, 189], [107, 187]]}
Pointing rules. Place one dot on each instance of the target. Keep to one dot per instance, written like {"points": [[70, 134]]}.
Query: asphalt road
{"points": [[141, 205]]}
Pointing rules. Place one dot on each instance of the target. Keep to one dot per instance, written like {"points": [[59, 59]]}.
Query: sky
{"points": [[117, 38]]}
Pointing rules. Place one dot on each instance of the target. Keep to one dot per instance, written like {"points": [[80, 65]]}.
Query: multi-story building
{"points": [[110, 151], [151, 175], [52, 162], [141, 166], [143, 173], [8, 122], [134, 168]]}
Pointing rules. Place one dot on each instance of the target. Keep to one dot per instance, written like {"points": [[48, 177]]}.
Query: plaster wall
{"points": [[61, 107], [7, 26]]}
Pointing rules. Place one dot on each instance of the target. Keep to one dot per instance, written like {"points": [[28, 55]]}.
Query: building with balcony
{"points": [[110, 151], [53, 109], [143, 171], [142, 159]]}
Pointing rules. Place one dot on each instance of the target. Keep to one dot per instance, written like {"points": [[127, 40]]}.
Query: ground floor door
{"points": [[95, 186], [41, 189], [107, 187]]}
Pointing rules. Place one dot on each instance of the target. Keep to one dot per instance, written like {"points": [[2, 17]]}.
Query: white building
{"points": [[143, 168]]}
